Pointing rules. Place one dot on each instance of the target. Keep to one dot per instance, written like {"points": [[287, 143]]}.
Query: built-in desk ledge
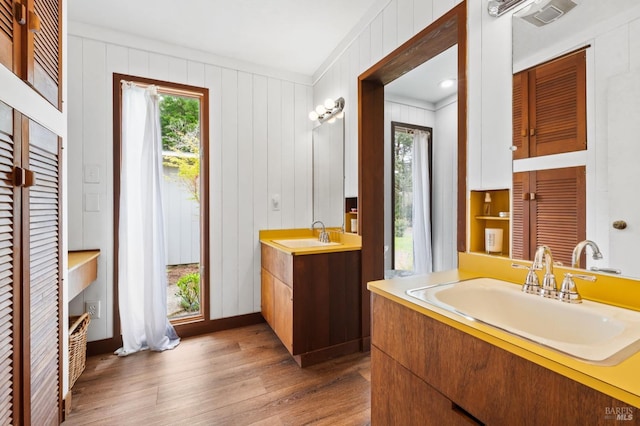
{"points": [[83, 270]]}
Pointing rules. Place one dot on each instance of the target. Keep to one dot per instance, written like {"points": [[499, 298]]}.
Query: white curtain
{"points": [[142, 277], [422, 256]]}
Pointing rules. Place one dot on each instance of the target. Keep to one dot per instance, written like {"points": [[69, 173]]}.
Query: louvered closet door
{"points": [[560, 220], [557, 106], [46, 50], [7, 32], [9, 269], [520, 122], [44, 275], [520, 216]]}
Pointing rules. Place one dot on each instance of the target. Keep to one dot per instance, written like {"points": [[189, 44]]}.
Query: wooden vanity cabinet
{"points": [[31, 44], [426, 372], [312, 302]]}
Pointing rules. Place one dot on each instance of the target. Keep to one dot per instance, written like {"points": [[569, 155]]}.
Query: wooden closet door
{"points": [[43, 276], [560, 218], [520, 122], [557, 106], [9, 30], [45, 66], [10, 279]]}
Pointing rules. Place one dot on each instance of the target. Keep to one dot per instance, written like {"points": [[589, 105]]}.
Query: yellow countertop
{"points": [[621, 381], [348, 241]]}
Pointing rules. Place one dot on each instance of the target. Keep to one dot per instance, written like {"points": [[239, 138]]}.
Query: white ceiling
{"points": [[423, 82], [291, 35]]}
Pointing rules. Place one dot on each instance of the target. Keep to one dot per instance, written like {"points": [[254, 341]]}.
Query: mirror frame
{"points": [[448, 30]]}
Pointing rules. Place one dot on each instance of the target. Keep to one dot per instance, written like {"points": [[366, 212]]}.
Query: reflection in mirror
{"points": [[328, 173], [414, 102], [609, 28]]}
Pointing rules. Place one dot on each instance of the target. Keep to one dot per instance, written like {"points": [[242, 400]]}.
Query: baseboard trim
{"points": [[105, 346], [321, 355], [66, 406]]}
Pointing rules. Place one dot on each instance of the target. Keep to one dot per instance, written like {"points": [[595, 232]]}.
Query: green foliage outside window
{"points": [[189, 292]]}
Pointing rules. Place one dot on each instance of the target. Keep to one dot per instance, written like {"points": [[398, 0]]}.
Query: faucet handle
{"points": [[531, 284], [569, 292]]}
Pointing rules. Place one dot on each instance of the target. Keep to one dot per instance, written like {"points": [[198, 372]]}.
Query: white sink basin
{"points": [[304, 243], [591, 331]]}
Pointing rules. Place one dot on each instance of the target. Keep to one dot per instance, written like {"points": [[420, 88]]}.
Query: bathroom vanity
{"points": [[432, 366], [311, 293]]}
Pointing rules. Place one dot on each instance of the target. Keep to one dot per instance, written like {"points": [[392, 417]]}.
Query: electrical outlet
{"points": [[92, 307]]}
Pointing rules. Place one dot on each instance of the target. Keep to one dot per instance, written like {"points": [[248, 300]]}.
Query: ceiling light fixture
{"points": [[498, 7], [445, 84], [329, 111]]}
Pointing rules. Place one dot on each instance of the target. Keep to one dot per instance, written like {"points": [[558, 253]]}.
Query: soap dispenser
{"points": [[487, 204]]}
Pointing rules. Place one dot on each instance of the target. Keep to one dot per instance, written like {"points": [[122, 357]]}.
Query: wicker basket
{"points": [[77, 346]]}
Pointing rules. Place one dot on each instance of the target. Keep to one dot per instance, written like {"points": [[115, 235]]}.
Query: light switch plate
{"points": [[91, 173], [275, 202], [92, 202]]}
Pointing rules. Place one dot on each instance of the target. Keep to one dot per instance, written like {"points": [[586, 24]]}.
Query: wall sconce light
{"points": [[329, 111], [498, 7]]}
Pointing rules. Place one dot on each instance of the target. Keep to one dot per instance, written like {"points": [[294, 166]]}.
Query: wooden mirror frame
{"points": [[447, 31]]}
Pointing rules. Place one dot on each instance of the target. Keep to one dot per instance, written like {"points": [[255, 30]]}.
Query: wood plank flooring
{"points": [[236, 377]]}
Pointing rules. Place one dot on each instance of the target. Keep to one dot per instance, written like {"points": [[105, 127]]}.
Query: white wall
{"points": [[488, 88], [260, 146], [265, 117], [398, 21]]}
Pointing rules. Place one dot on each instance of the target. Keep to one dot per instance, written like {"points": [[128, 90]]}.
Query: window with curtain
{"points": [[411, 198]]}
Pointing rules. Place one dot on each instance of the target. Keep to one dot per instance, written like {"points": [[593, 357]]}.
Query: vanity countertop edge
{"points": [[348, 241], [619, 381]]}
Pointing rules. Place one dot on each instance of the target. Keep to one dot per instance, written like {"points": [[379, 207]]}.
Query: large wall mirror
{"points": [[328, 173], [421, 124], [448, 31], [610, 32]]}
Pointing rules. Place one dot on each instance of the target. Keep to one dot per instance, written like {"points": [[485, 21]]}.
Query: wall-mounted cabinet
{"points": [[31, 44], [497, 216], [549, 107]]}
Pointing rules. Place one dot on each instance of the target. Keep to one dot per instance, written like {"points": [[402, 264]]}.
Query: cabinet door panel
{"points": [[520, 216], [520, 122], [44, 275], [549, 209], [46, 50], [560, 210], [549, 108], [267, 292], [9, 269], [398, 397], [557, 108], [6, 33], [283, 313]]}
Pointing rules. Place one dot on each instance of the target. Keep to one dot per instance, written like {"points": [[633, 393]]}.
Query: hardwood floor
{"points": [[236, 377]]}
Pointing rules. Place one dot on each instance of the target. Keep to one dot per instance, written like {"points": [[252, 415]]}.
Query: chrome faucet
{"points": [[531, 284], [323, 237], [577, 252], [569, 292], [543, 258]]}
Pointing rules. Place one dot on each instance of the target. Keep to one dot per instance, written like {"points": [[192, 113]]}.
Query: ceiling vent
{"points": [[543, 12]]}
